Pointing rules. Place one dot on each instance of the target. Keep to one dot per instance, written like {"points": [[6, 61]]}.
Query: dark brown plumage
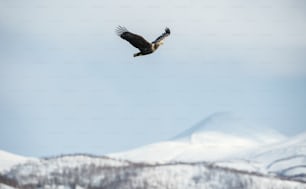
{"points": [[140, 43]]}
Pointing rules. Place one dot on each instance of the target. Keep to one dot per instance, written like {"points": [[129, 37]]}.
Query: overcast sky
{"points": [[69, 84]]}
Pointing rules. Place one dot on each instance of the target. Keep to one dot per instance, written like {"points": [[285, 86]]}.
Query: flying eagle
{"points": [[140, 43]]}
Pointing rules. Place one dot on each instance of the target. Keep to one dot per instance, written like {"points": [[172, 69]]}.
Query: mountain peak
{"points": [[216, 121], [227, 123]]}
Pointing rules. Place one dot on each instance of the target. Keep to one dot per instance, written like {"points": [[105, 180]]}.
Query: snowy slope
{"points": [[101, 172], [221, 136], [59, 171], [287, 158], [7, 160], [3, 186]]}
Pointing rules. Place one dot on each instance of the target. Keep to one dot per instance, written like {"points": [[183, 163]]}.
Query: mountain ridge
{"points": [[221, 136]]}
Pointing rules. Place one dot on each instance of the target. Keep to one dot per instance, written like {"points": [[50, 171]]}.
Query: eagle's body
{"points": [[140, 43]]}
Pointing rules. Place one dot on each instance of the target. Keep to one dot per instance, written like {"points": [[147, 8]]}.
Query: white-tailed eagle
{"points": [[140, 43]]}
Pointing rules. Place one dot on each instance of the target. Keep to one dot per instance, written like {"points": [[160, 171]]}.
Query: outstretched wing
{"points": [[136, 40], [163, 36]]}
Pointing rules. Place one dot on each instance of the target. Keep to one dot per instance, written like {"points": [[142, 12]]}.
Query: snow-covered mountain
{"points": [[92, 172], [219, 152], [222, 136], [7, 160], [227, 141]]}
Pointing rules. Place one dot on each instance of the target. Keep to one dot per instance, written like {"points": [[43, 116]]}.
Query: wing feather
{"points": [[136, 40], [162, 36]]}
